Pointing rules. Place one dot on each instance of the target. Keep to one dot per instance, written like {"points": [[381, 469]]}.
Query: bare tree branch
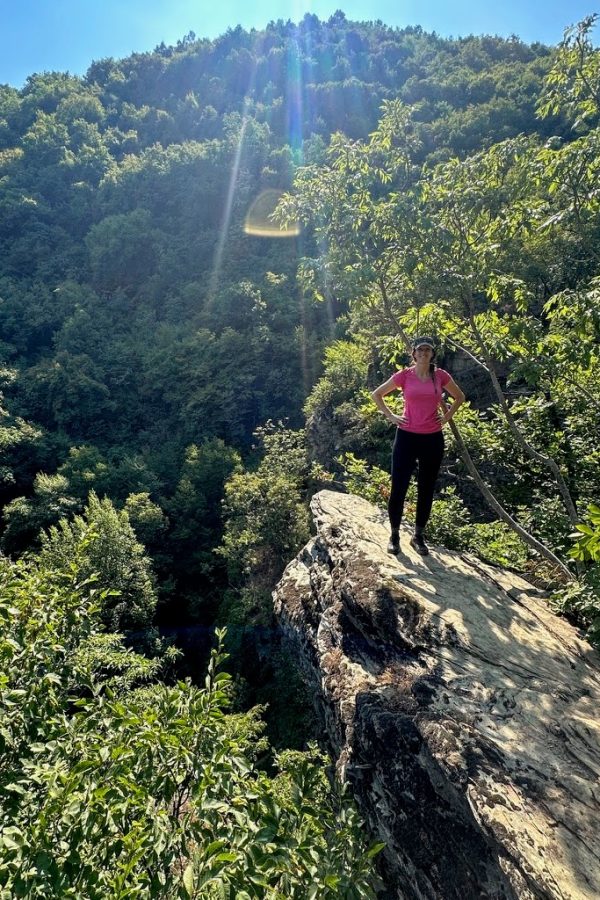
{"points": [[525, 536]]}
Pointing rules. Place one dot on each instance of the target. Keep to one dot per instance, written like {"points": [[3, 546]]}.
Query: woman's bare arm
{"points": [[458, 397], [379, 393]]}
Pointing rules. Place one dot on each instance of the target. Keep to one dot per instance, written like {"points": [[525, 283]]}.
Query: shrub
{"points": [[150, 792]]}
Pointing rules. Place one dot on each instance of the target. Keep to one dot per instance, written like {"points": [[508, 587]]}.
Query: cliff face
{"points": [[464, 713]]}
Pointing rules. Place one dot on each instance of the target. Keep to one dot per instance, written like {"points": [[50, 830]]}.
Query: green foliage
{"points": [[112, 556], [266, 517], [581, 599], [496, 543], [572, 85], [340, 416], [249, 606], [264, 671], [45, 615], [70, 392], [266, 524], [117, 667], [18, 440], [266, 521], [25, 518], [546, 518], [148, 792], [369, 482], [450, 524], [345, 371], [147, 519], [587, 545], [196, 513], [117, 474], [123, 250]]}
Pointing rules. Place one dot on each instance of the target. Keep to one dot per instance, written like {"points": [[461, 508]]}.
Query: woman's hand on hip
{"points": [[396, 420]]}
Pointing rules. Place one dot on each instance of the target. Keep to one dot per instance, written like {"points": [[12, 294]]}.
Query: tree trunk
{"points": [[527, 538], [541, 458]]}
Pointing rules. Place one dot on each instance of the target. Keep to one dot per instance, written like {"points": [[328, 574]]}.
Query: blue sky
{"points": [[66, 35]]}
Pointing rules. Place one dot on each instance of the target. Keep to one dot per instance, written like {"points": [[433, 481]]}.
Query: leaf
{"points": [[374, 849], [14, 788], [214, 848], [585, 529], [188, 880], [12, 837]]}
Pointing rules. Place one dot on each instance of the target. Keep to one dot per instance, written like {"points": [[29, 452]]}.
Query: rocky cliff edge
{"points": [[464, 713]]}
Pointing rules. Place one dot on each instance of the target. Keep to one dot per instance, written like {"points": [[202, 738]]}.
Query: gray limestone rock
{"points": [[464, 713]]}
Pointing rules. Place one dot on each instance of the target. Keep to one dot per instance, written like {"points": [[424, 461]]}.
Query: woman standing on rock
{"points": [[419, 439]]}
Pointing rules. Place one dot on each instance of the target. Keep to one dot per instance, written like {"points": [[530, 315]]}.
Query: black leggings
{"points": [[409, 449]]}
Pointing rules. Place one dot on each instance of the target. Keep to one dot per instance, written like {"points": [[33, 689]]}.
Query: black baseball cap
{"points": [[424, 341]]}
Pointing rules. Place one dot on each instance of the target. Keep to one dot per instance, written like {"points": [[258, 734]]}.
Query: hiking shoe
{"points": [[394, 544], [418, 544]]}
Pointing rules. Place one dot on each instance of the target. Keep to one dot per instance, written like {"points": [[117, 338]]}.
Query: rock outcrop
{"points": [[463, 711]]}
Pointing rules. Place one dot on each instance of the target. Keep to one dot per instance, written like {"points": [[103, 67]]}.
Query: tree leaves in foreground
{"points": [[109, 791]]}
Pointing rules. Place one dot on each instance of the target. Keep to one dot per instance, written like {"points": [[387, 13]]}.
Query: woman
{"points": [[419, 437]]}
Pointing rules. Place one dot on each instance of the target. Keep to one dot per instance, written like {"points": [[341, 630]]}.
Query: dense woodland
{"points": [[174, 388]]}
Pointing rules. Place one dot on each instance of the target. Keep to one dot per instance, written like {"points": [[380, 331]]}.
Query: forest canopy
{"points": [[175, 388], [139, 325]]}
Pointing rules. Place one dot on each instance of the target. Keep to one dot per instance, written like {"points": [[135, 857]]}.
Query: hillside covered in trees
{"points": [[174, 387], [144, 336]]}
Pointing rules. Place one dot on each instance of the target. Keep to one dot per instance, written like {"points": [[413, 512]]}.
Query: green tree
{"points": [[68, 392], [572, 86], [266, 517], [153, 791], [456, 234], [123, 251], [195, 512], [26, 517], [18, 443], [113, 560], [147, 519]]}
